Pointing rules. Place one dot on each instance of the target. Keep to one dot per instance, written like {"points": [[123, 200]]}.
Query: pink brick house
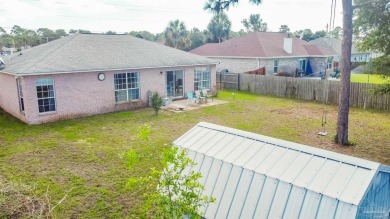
{"points": [[88, 74]]}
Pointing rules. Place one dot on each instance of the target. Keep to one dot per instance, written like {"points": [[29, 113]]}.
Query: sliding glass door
{"points": [[175, 83]]}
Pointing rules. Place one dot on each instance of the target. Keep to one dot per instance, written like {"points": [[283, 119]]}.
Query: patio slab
{"points": [[186, 105]]}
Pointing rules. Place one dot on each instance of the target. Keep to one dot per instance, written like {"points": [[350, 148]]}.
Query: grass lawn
{"points": [[367, 78], [87, 154]]}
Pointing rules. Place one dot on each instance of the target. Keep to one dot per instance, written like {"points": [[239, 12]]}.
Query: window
{"points": [[126, 86], [45, 94], [302, 65], [329, 63], [20, 94], [202, 78], [276, 64]]}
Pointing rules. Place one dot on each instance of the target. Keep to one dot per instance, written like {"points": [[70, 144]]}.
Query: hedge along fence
{"points": [[312, 89]]}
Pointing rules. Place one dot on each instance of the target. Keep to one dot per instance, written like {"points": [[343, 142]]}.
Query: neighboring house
{"points": [[277, 52], [255, 176], [7, 51], [87, 74], [334, 45]]}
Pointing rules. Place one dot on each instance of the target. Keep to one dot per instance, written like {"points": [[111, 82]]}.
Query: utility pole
{"points": [[343, 111]]}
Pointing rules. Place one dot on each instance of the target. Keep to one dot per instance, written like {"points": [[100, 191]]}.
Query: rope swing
{"points": [[326, 82]]}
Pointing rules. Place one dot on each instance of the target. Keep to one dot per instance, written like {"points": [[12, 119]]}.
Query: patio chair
{"points": [[207, 93], [199, 96], [191, 97]]}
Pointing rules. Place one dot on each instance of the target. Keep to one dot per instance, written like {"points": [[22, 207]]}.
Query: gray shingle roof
{"points": [[334, 45], [95, 52]]}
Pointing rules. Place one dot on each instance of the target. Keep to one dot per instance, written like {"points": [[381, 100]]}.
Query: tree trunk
{"points": [[342, 120]]}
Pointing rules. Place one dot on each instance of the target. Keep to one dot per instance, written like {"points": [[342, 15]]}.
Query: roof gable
{"points": [[254, 175], [95, 52], [261, 45]]}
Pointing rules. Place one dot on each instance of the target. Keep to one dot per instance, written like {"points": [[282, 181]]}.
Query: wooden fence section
{"points": [[311, 89], [229, 80]]}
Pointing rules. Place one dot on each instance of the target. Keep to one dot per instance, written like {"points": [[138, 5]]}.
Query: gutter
{"points": [[100, 70], [272, 57]]}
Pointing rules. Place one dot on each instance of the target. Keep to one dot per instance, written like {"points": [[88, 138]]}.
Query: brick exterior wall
{"points": [[238, 65], [9, 99], [82, 94]]}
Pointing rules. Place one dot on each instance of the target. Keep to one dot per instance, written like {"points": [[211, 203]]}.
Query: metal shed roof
{"points": [[255, 176]]}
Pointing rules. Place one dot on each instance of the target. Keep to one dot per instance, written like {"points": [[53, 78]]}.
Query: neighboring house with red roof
{"points": [[277, 52], [87, 74]]}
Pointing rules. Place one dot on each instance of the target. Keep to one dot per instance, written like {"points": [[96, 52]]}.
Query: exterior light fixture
{"points": [[161, 72]]}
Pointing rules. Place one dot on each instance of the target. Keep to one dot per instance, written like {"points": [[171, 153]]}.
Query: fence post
{"points": [[238, 81]]}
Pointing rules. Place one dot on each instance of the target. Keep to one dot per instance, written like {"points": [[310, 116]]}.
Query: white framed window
{"points": [[20, 94], [202, 78], [45, 94], [276, 65], [126, 86]]}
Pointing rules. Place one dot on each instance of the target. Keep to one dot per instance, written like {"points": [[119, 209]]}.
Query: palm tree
{"points": [[176, 35], [219, 27], [217, 6]]}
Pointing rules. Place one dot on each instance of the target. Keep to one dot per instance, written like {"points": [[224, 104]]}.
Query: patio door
{"points": [[175, 83], [302, 65]]}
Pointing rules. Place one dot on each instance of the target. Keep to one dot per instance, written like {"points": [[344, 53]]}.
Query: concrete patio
{"points": [[186, 105]]}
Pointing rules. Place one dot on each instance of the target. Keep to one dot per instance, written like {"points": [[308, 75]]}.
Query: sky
{"points": [[153, 15]]}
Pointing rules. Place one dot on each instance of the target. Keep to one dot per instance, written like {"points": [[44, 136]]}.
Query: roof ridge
{"points": [[348, 159], [257, 33], [54, 49]]}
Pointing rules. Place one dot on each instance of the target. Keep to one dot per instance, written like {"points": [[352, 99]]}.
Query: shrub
{"points": [[156, 102]]}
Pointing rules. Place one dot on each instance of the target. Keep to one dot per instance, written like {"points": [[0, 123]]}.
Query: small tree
{"points": [[177, 193], [156, 102]]}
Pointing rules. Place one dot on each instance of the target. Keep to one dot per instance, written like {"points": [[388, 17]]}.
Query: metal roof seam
{"points": [[235, 191], [273, 198], [354, 171], [318, 206], [254, 154], [337, 206], [258, 198], [185, 134], [262, 160], [205, 143], [239, 155], [293, 178], [273, 165], [287, 199], [210, 148], [303, 201], [327, 184], [224, 189], [197, 131], [231, 149], [247, 192], [317, 171], [212, 191]]}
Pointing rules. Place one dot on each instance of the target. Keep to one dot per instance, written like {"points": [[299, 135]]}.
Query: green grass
{"points": [[86, 154], [367, 78]]}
